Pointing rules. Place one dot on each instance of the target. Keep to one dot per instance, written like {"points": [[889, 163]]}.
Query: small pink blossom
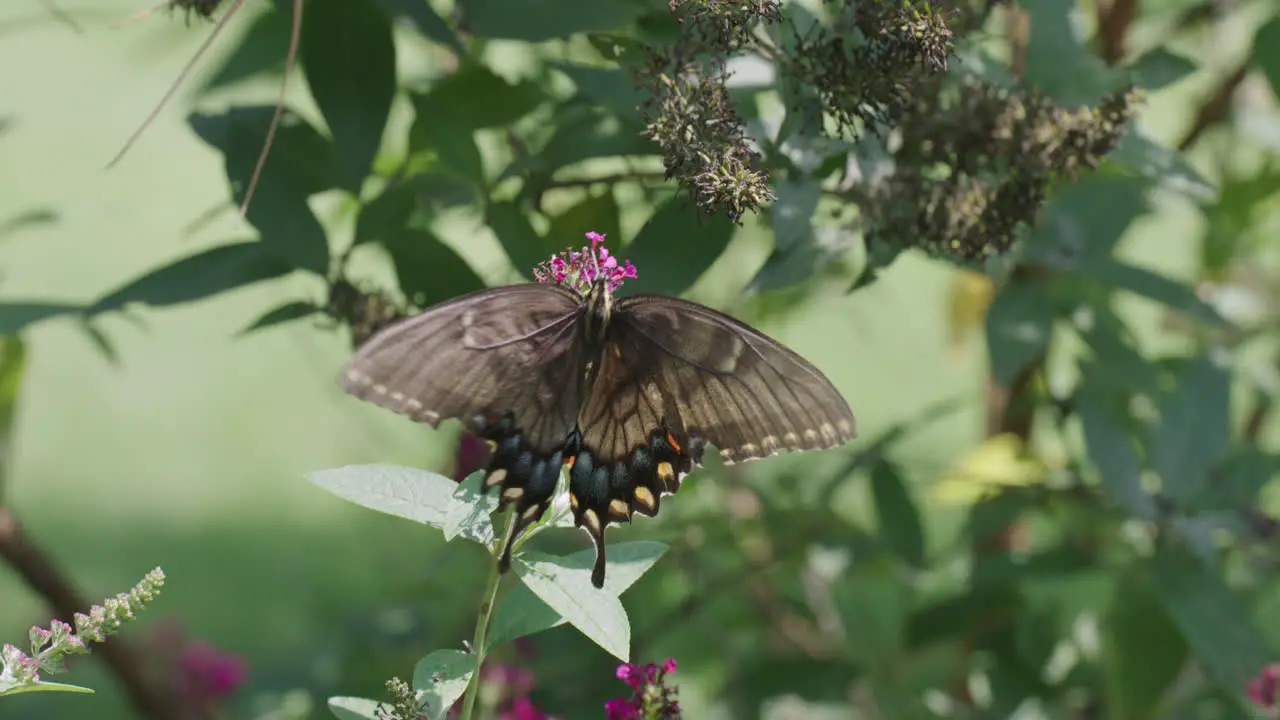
{"points": [[208, 673], [1264, 688], [578, 270], [650, 697]]}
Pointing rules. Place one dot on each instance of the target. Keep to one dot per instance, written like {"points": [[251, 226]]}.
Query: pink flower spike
{"points": [[1265, 687], [669, 666]]}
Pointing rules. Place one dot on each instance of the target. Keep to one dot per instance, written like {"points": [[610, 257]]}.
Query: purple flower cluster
{"points": [[578, 270], [650, 698], [506, 688], [1264, 688]]}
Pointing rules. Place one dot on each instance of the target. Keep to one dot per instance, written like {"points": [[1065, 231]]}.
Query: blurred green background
{"points": [[189, 450]]}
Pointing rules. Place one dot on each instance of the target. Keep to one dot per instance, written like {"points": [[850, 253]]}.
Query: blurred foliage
{"points": [[1117, 545]]}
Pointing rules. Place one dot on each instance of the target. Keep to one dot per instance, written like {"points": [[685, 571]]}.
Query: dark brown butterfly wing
{"points": [[508, 362], [673, 376]]}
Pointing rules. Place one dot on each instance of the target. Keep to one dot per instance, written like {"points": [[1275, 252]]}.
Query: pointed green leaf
{"points": [[441, 678], [409, 493], [609, 87], [1266, 52], [1160, 68], [14, 316], [594, 212], [522, 613], [426, 20], [539, 20], [429, 271], [478, 98], [1143, 652], [1019, 325], [283, 314], [1152, 160], [350, 61], [1195, 427], [198, 276], [11, 688], [353, 708], [303, 163], [674, 248], [523, 245], [1215, 622], [566, 588], [1166, 291], [1113, 454], [439, 129], [899, 520], [260, 51]]}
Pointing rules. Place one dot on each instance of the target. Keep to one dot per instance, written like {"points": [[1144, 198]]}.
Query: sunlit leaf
{"points": [[441, 678], [283, 314], [353, 708], [538, 20], [524, 247], [426, 20], [429, 271], [1159, 68], [997, 463], [469, 516], [413, 494], [523, 613], [477, 97], [566, 588], [15, 316], [8, 687]]}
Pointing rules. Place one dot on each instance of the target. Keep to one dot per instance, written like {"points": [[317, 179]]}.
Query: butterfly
{"points": [[625, 392]]}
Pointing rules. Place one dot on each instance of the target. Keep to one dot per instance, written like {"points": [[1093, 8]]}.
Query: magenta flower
{"points": [[208, 673], [650, 696], [578, 270], [473, 454], [1265, 686]]}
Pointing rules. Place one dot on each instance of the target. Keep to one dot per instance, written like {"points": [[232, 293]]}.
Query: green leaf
{"points": [[428, 270], [522, 613], [441, 131], [539, 20], [197, 277], [584, 133], [471, 510], [283, 314], [1058, 61], [523, 245], [792, 213], [260, 51], [1194, 431], [426, 20], [11, 688], [1166, 291], [1019, 325], [350, 61], [1266, 52], [674, 248], [13, 363], [303, 163], [1085, 220], [1151, 160], [353, 708], [1113, 454], [1118, 364], [900, 528], [400, 206], [1160, 68], [784, 268], [413, 494], [15, 316], [566, 588], [609, 87], [478, 98], [441, 678], [1215, 622], [874, 603], [594, 212]]}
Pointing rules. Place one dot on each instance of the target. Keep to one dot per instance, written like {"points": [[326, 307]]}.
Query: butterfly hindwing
{"points": [[508, 362], [673, 376]]}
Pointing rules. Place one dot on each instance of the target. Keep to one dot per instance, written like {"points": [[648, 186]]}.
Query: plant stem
{"points": [[478, 638]]}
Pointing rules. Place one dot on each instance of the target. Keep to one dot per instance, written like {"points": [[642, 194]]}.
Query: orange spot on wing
{"points": [[569, 463], [671, 440]]}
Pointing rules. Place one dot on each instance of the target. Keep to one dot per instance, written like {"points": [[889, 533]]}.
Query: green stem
{"points": [[478, 639]]}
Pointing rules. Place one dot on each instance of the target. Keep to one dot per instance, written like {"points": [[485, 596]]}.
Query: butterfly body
{"points": [[626, 393]]}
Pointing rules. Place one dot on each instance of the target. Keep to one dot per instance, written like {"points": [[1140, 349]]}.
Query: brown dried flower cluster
{"points": [[976, 163]]}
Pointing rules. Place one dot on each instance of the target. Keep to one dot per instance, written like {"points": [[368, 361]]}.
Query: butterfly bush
{"points": [[1264, 690], [50, 647], [650, 699], [578, 270]]}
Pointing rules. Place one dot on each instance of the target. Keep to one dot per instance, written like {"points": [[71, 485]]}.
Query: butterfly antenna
{"points": [[295, 39], [173, 89]]}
